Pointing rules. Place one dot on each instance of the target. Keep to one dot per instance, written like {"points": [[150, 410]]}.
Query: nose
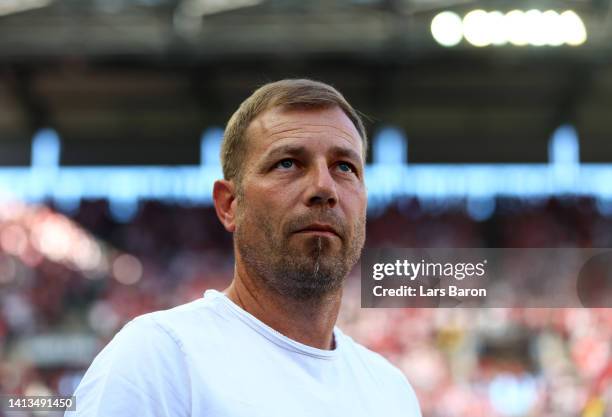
{"points": [[322, 187]]}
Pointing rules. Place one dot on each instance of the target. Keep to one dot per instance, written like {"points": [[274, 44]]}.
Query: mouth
{"points": [[318, 229]]}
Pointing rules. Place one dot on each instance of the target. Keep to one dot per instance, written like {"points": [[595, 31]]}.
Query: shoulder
{"points": [[141, 367], [159, 329], [199, 321], [173, 320]]}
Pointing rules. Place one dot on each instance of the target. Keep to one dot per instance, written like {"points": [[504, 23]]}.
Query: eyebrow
{"points": [[348, 153], [291, 150]]}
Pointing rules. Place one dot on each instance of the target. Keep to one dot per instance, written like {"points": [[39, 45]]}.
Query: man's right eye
{"points": [[285, 163]]}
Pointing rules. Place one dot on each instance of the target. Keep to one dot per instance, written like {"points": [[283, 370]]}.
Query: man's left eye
{"points": [[285, 163], [346, 167]]}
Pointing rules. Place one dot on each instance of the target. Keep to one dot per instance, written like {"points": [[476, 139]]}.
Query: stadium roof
{"points": [[138, 81]]}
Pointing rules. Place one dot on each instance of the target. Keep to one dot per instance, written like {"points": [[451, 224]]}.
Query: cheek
{"points": [[355, 204], [274, 199], [260, 211]]}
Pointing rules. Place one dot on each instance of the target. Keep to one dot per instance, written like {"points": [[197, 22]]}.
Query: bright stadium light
{"points": [[535, 33], [516, 21], [447, 29], [517, 27], [476, 28], [500, 31], [552, 27], [575, 31]]}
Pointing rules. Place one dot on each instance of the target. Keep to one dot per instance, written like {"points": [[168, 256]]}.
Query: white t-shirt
{"points": [[211, 358]]}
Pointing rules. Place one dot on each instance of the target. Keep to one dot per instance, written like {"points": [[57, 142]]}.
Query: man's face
{"points": [[301, 207]]}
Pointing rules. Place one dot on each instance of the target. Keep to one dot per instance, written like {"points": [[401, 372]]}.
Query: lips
{"points": [[318, 228]]}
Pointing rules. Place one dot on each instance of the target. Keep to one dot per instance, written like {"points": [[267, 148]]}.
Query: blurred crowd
{"points": [[57, 311]]}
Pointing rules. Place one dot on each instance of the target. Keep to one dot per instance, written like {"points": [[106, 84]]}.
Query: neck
{"points": [[310, 322]]}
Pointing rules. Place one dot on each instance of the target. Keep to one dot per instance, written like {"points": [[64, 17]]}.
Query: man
{"points": [[294, 197]]}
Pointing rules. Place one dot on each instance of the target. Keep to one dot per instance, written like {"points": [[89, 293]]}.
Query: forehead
{"points": [[326, 125]]}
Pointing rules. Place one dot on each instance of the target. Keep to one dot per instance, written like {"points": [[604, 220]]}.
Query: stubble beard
{"points": [[298, 273]]}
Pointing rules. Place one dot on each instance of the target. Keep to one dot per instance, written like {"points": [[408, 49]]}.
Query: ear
{"points": [[224, 197]]}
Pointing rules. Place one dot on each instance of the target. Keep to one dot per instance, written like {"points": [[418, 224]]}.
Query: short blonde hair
{"points": [[289, 94]]}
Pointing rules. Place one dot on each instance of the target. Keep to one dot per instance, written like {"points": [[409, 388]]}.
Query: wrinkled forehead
{"points": [[278, 124]]}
